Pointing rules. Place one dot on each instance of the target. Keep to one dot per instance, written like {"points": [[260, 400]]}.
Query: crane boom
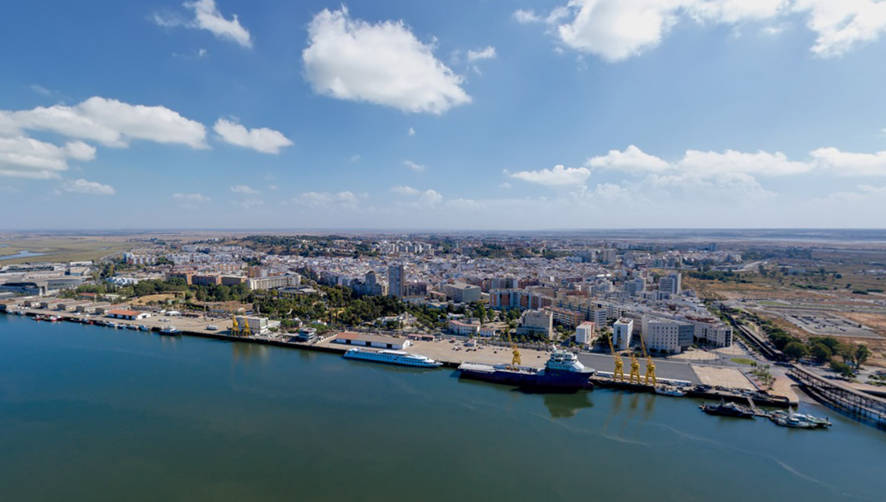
{"points": [[618, 374], [650, 366]]}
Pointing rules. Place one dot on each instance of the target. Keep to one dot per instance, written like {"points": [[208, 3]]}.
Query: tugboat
{"points": [[727, 410], [563, 372]]}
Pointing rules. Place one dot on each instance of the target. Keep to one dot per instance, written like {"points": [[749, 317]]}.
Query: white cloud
{"points": [[87, 187], [208, 17], [616, 30], [404, 190], [381, 63], [412, 131], [190, 197], [632, 159], [556, 176], [345, 199], [260, 139], [841, 25], [244, 189], [523, 16], [850, 164], [250, 203], [424, 198], [24, 157], [762, 163], [414, 166], [487, 52], [109, 122]]}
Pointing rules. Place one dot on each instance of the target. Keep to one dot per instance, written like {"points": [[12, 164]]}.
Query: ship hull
{"points": [[542, 381], [369, 357]]}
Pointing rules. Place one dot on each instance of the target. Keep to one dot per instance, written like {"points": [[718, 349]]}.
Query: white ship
{"points": [[400, 357]]}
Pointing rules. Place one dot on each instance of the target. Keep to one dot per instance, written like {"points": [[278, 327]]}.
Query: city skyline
{"points": [[692, 113]]}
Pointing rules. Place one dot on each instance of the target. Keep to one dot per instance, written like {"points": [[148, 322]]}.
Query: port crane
{"points": [[635, 370], [235, 327], [515, 358], [650, 366], [619, 372]]}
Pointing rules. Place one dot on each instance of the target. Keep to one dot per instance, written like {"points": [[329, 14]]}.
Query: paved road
{"points": [[666, 369]]}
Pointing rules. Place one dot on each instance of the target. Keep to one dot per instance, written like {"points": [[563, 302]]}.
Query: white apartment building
{"points": [[584, 333], [662, 335], [621, 333]]}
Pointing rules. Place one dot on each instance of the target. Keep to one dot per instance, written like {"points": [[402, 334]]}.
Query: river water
{"points": [[90, 413]]}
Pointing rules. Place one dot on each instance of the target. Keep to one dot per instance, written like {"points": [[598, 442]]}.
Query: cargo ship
{"points": [[398, 357], [563, 372]]}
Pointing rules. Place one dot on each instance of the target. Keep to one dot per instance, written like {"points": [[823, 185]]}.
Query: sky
{"points": [[495, 114]]}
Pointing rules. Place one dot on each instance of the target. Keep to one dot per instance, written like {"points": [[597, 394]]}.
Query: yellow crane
{"points": [[235, 327], [635, 370], [246, 331], [619, 372], [650, 366], [515, 358]]}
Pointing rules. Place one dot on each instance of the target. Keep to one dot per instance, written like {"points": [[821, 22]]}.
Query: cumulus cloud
{"points": [[109, 122], [556, 176], [842, 25], [632, 159], [419, 168], [381, 63], [244, 189], [24, 157], [411, 132], [87, 187], [426, 198], [616, 30], [260, 139], [207, 17], [850, 164]]}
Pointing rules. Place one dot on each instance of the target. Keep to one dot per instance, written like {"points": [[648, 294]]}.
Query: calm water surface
{"points": [[89, 413]]}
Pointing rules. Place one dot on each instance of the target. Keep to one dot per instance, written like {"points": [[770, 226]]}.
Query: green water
{"points": [[90, 413]]}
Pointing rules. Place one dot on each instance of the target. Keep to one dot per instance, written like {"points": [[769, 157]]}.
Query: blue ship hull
{"points": [[542, 380]]}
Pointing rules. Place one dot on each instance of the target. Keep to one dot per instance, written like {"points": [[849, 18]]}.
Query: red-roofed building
{"points": [[131, 315]]}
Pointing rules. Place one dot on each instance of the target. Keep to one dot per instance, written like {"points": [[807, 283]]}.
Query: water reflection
{"points": [[249, 352], [567, 405]]}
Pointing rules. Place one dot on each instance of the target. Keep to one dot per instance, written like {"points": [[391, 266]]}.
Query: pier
{"points": [[841, 397]]}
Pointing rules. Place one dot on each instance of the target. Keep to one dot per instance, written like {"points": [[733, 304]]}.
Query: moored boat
{"points": [[398, 357], [727, 410], [563, 372], [170, 330], [670, 390]]}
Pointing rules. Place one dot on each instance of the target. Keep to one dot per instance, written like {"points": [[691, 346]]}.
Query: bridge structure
{"points": [[841, 397]]}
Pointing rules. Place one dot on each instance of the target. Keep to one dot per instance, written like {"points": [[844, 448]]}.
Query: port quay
{"points": [[440, 350]]}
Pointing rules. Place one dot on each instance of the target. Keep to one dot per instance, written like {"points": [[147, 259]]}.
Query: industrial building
{"points": [[371, 340]]}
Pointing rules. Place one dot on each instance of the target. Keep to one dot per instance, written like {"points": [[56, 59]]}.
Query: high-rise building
{"points": [[662, 334], [396, 281], [584, 333], [670, 284], [622, 330]]}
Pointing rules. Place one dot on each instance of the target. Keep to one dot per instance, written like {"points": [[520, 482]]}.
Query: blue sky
{"points": [[443, 115]]}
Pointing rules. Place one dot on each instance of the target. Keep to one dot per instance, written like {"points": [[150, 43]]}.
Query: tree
{"points": [[842, 368], [795, 350], [821, 352], [862, 353]]}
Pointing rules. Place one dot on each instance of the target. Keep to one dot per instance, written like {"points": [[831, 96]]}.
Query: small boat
{"points": [[669, 390], [131, 326], [170, 330], [727, 410], [142, 327], [799, 420]]}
